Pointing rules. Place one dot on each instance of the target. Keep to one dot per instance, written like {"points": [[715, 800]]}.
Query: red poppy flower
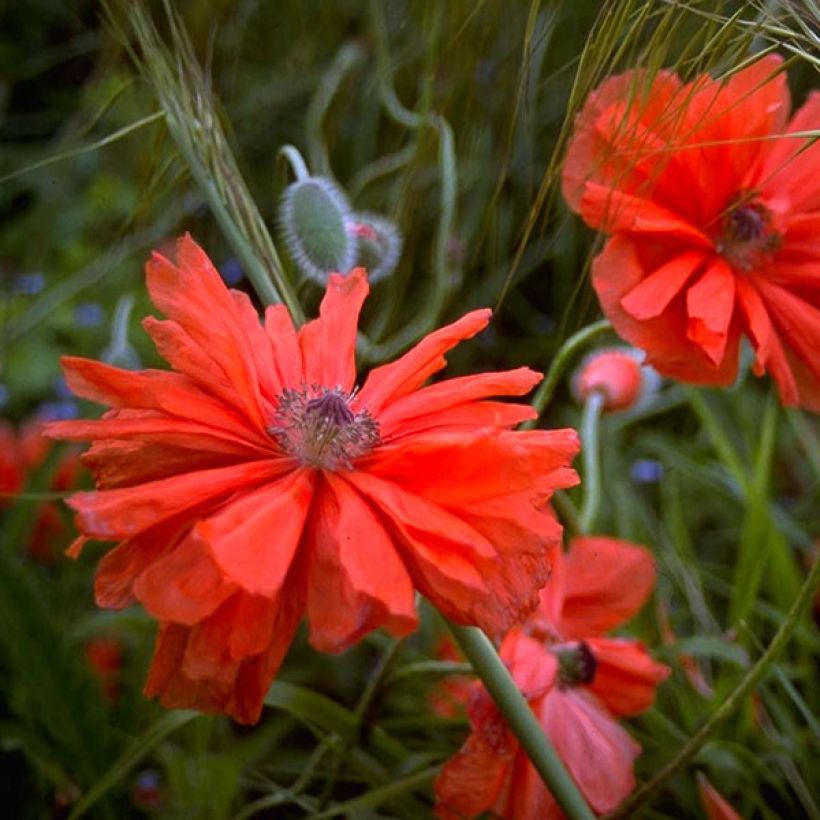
{"points": [[712, 201], [575, 680], [254, 484]]}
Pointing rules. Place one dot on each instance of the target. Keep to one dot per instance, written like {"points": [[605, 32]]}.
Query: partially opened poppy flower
{"points": [[576, 681], [254, 484], [711, 198]]}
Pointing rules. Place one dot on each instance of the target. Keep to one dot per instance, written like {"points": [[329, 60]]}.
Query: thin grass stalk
{"points": [[185, 95], [644, 794]]}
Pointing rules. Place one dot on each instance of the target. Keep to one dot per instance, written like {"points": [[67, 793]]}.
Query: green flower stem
{"points": [[503, 690], [732, 702], [590, 446], [559, 364], [295, 160]]}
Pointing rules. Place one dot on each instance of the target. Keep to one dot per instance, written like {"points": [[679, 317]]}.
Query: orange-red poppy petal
{"points": [[607, 581], [111, 514], [193, 294], [356, 580], [254, 539], [454, 467], [328, 344], [710, 304], [616, 272], [596, 750], [409, 372], [626, 677], [184, 586], [444, 395]]}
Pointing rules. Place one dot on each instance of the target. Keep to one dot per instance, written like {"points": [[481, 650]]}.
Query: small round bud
{"points": [[380, 244], [314, 215], [615, 372]]}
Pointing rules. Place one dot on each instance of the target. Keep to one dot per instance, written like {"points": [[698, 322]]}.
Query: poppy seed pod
{"points": [[313, 215]]}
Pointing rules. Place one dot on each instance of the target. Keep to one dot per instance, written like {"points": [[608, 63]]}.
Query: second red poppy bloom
{"points": [[711, 197]]}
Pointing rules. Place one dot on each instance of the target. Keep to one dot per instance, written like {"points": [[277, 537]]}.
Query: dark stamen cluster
{"points": [[317, 426], [576, 664], [747, 235]]}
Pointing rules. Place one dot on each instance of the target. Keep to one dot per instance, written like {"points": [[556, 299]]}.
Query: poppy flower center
{"points": [[317, 426], [747, 236], [576, 664]]}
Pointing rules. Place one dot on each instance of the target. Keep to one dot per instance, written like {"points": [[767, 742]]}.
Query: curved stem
{"points": [[732, 702], [559, 363], [591, 450], [295, 160], [511, 703]]}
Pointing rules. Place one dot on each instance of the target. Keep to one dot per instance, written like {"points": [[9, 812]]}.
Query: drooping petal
{"points": [[598, 752], [254, 539], [798, 322], [356, 580], [652, 295], [439, 550], [390, 382], [185, 585], [769, 352], [476, 778], [710, 304], [607, 581], [328, 344], [617, 271], [626, 677]]}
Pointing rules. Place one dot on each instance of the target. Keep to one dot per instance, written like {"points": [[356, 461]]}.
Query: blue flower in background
{"points": [[646, 471], [28, 284], [89, 314], [231, 272]]}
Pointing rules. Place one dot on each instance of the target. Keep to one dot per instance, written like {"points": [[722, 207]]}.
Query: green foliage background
{"points": [[449, 118]]}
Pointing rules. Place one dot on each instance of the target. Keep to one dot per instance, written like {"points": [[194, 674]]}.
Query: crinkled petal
{"points": [[598, 753], [356, 580], [183, 586], [626, 677], [328, 344], [652, 295], [112, 514], [622, 265], [193, 294], [454, 467], [450, 393], [390, 382], [710, 304], [606, 581], [253, 540]]}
